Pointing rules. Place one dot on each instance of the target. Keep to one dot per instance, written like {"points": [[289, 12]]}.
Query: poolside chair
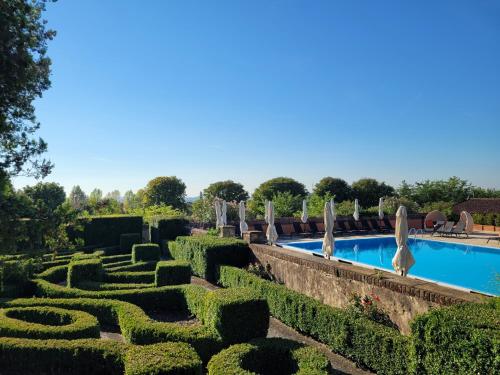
{"points": [[288, 230], [387, 224], [354, 227], [258, 226], [342, 227], [365, 226], [459, 229], [377, 227], [438, 226], [298, 230], [314, 229], [279, 229], [446, 229]]}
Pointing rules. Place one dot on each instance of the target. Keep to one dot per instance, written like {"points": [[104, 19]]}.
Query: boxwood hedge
{"points": [[271, 357], [127, 240], [145, 252], [206, 252], [172, 272], [84, 270]]}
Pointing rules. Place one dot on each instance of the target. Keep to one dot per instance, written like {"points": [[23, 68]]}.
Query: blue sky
{"points": [[250, 90]]}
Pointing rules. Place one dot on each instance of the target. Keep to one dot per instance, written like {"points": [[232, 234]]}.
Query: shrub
{"points": [[169, 228], [106, 230], [47, 323], [106, 260], [269, 356], [237, 314], [206, 252], [162, 359], [127, 240], [172, 272], [462, 339], [128, 266], [84, 270], [376, 346], [130, 277], [145, 252]]}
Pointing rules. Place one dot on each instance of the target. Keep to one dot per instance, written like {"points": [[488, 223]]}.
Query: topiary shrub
{"points": [[145, 252], [147, 277], [169, 228], [84, 270], [106, 230], [238, 314], [273, 356], [167, 358], [461, 339], [127, 240], [172, 272], [47, 323], [206, 252]]}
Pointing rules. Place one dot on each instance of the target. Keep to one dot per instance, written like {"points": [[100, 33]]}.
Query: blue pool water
{"points": [[471, 267]]}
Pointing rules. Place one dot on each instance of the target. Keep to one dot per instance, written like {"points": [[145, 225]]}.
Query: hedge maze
{"points": [[79, 297]]}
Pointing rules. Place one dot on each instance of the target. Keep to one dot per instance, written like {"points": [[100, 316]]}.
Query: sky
{"points": [[251, 90]]}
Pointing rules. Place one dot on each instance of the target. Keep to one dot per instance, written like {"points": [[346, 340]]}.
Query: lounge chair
{"points": [[342, 227], [314, 229], [387, 224], [446, 229], [258, 226], [298, 230], [365, 226], [288, 230], [354, 227], [279, 229], [459, 229], [377, 227], [438, 226]]}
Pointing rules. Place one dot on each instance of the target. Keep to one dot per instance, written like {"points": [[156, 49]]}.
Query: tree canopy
{"points": [[269, 189], [453, 190], [170, 191], [228, 190], [24, 76], [368, 191], [334, 187]]}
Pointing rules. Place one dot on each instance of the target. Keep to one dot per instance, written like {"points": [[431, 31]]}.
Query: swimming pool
{"points": [[471, 267]]}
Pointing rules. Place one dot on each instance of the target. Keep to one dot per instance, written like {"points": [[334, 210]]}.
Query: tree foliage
{"points": [[453, 190], [228, 190], [170, 191], [335, 187], [77, 198], [368, 191], [24, 76], [267, 190]]}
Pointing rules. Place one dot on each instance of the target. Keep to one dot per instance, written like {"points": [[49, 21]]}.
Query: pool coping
{"points": [[284, 244]]}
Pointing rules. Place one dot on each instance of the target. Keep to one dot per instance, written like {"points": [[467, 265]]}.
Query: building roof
{"points": [[478, 205]]}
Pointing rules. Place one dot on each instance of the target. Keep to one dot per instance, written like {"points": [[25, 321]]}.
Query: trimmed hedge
{"points": [[95, 357], [84, 270], [373, 345], [169, 228], [47, 323], [106, 230], [112, 259], [147, 277], [141, 266], [206, 252], [461, 339], [145, 252], [172, 272], [127, 240], [273, 356], [237, 314], [162, 359]]}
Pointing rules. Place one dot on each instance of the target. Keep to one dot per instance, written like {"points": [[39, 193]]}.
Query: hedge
{"points": [[127, 240], [147, 277], [96, 286], [84, 270], [145, 252], [140, 266], [95, 357], [273, 356], [371, 344], [206, 252], [172, 272], [47, 323], [106, 230], [112, 259], [169, 229], [462, 339]]}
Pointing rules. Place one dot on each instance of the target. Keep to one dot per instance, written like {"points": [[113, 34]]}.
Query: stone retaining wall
{"points": [[334, 283]]}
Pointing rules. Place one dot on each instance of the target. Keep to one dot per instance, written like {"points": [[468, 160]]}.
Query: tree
{"points": [[336, 187], [46, 197], [286, 205], [316, 204], [95, 197], [228, 190], [368, 191], [24, 76], [268, 189], [115, 194], [170, 191], [453, 190], [77, 198], [131, 201]]}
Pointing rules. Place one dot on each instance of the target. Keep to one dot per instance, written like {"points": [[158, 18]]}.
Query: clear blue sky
{"points": [[250, 90]]}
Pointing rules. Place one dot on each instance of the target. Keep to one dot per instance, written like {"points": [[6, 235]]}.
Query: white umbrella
{"points": [[328, 241], [271, 234], [380, 210], [304, 212], [332, 206], [403, 259], [266, 211], [243, 224], [224, 214], [356, 210], [218, 213]]}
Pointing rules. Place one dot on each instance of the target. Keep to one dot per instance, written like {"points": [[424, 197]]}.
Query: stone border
{"points": [[421, 289]]}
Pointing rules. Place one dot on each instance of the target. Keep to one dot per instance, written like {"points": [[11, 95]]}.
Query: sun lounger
{"points": [[288, 230], [355, 228], [446, 229], [377, 227], [298, 230], [314, 229], [387, 224], [341, 225], [365, 226], [459, 229]]}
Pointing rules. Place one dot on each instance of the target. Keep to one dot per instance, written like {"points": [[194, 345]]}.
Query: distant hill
{"points": [[192, 199]]}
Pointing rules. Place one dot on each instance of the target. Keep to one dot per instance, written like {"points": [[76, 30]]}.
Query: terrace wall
{"points": [[334, 283]]}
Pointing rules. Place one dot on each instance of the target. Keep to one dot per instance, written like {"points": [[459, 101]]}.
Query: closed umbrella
{"points": [[243, 224], [224, 213], [380, 208], [304, 212], [328, 241], [266, 211], [403, 259], [218, 213], [271, 234], [356, 210], [332, 206]]}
